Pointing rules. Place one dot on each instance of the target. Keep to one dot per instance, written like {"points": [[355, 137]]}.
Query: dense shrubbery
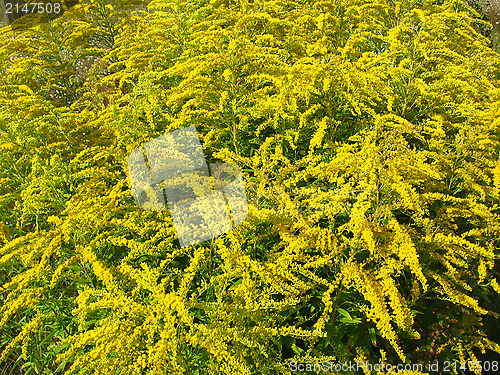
{"points": [[383, 112]]}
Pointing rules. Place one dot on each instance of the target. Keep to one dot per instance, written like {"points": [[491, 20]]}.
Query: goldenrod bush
{"points": [[368, 135]]}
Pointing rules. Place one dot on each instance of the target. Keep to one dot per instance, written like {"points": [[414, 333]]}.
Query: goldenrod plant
{"points": [[367, 133], [488, 10]]}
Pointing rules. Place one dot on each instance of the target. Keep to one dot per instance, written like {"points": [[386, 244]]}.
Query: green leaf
{"points": [[344, 313], [373, 335]]}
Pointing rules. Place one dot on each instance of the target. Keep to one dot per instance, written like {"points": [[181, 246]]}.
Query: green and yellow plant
{"points": [[369, 139]]}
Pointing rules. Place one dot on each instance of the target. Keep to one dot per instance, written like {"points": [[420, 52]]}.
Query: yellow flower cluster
{"points": [[364, 131]]}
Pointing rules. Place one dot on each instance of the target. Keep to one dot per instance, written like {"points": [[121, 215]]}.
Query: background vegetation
{"points": [[368, 134]]}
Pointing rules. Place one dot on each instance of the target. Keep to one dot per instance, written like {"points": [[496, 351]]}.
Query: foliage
{"points": [[489, 11], [369, 139]]}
